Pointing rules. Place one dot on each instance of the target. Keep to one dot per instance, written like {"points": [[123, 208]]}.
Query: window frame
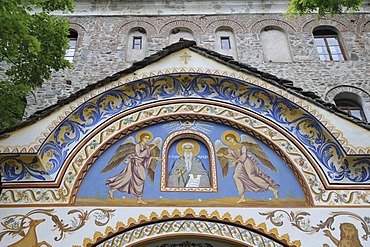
{"points": [[134, 45], [348, 105], [73, 37], [325, 34], [223, 38]]}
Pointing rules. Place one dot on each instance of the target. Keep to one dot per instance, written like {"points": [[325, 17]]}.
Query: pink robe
{"points": [[131, 179], [247, 175]]}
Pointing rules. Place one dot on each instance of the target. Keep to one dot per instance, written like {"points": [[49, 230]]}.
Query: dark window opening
{"points": [[225, 43], [70, 52], [351, 107], [137, 43]]}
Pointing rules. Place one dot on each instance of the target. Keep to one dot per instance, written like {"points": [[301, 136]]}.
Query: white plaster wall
{"points": [[295, 222]]}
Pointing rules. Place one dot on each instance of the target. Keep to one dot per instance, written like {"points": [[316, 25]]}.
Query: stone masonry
{"points": [[103, 28]]}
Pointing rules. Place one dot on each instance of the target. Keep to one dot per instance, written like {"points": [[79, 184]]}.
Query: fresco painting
{"points": [[23, 228], [188, 169], [246, 173], [138, 157]]}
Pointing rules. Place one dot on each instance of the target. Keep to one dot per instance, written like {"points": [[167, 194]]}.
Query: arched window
{"points": [[349, 105], [225, 42], [180, 33], [70, 52], [136, 44], [275, 45], [328, 44]]}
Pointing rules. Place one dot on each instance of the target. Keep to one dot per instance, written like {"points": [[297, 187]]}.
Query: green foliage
{"points": [[322, 7], [32, 45], [12, 103]]}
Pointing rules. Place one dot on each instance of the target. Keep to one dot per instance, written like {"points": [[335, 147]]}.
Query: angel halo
{"points": [[140, 135], [229, 133]]}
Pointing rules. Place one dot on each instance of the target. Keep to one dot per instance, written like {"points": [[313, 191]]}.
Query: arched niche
{"points": [[173, 159], [136, 44], [225, 42], [275, 45], [180, 33]]}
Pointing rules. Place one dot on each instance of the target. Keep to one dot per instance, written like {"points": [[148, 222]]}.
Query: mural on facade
{"points": [[348, 232], [247, 175], [188, 169], [22, 227], [348, 236], [138, 157], [189, 174]]}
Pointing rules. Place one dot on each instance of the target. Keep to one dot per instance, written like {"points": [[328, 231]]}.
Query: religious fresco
{"points": [[125, 226], [22, 227], [247, 175], [124, 105], [134, 170], [138, 157], [218, 155], [245, 94], [186, 168]]}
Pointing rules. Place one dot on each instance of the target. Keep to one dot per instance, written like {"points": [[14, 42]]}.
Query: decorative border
{"points": [[294, 119], [138, 76], [301, 221], [89, 151], [16, 224], [189, 223]]}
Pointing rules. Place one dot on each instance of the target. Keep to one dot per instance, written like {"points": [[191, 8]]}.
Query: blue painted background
{"points": [[94, 186]]}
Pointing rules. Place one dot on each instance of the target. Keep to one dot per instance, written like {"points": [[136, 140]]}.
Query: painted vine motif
{"points": [[17, 224], [349, 235], [62, 194], [304, 126]]}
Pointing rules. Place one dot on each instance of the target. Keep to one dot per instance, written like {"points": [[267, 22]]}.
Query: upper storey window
{"points": [[225, 43], [351, 107], [70, 52], [329, 45], [137, 43]]}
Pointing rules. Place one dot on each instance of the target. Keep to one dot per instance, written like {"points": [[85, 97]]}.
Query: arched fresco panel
{"points": [[200, 184], [81, 129]]}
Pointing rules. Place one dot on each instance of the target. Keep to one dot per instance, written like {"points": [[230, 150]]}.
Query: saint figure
{"points": [[188, 170]]}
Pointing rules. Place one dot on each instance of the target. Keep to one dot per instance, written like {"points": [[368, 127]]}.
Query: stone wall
{"points": [[101, 49]]}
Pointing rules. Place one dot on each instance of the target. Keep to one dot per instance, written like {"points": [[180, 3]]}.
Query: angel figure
{"points": [[248, 177], [138, 158]]}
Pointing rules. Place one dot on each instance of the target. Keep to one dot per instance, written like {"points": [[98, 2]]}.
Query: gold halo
{"points": [[138, 136], [229, 132], [181, 152]]}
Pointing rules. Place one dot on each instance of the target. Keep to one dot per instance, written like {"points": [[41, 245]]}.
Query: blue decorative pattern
{"points": [[303, 126]]}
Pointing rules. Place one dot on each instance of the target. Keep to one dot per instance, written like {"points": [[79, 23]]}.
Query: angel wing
{"points": [[221, 152], [154, 153], [124, 150], [255, 149]]}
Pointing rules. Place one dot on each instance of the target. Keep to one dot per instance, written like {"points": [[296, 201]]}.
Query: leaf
{"points": [[32, 44], [322, 8]]}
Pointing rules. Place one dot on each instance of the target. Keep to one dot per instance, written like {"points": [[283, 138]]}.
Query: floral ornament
{"points": [[301, 222]]}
